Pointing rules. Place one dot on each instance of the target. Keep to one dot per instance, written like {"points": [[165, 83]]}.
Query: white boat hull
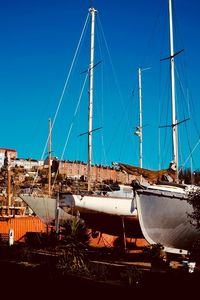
{"points": [[164, 218], [106, 214], [45, 208], [102, 204]]}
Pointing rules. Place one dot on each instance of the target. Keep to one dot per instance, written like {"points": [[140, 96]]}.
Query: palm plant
{"points": [[73, 246]]}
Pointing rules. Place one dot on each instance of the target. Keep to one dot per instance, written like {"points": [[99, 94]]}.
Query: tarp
{"points": [[151, 175]]}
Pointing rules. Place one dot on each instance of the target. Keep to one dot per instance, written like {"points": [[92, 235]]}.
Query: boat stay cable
{"points": [[64, 88], [67, 80], [124, 108], [72, 124], [190, 155]]}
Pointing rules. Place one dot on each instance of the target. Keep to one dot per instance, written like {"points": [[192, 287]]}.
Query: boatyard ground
{"points": [[36, 276]]}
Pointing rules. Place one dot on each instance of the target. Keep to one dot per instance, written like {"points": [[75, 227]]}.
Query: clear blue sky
{"points": [[38, 42]]}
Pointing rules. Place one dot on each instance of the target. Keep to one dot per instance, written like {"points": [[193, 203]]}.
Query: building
{"points": [[11, 154], [99, 173], [76, 170], [27, 164]]}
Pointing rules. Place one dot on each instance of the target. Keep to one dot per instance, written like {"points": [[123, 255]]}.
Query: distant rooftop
{"points": [[7, 149]]}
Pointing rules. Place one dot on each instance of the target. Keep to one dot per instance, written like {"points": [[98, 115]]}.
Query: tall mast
{"points": [[174, 121], [90, 105], [139, 128], [49, 159], [140, 112]]}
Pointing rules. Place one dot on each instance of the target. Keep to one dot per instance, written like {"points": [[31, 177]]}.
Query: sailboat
{"points": [[111, 212], [163, 209], [47, 207]]}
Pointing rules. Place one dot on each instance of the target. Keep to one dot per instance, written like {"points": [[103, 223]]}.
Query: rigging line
{"points": [[71, 126], [198, 142], [189, 143], [114, 73], [165, 143], [149, 45], [116, 131], [188, 133], [195, 122], [182, 89], [67, 80], [63, 91], [100, 113], [124, 143], [111, 63], [186, 97], [163, 90], [159, 160], [103, 155], [112, 67], [100, 104]]}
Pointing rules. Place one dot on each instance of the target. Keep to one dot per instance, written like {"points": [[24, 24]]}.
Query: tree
{"points": [[194, 200]]}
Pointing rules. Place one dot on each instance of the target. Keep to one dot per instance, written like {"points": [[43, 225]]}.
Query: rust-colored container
{"points": [[21, 225]]}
